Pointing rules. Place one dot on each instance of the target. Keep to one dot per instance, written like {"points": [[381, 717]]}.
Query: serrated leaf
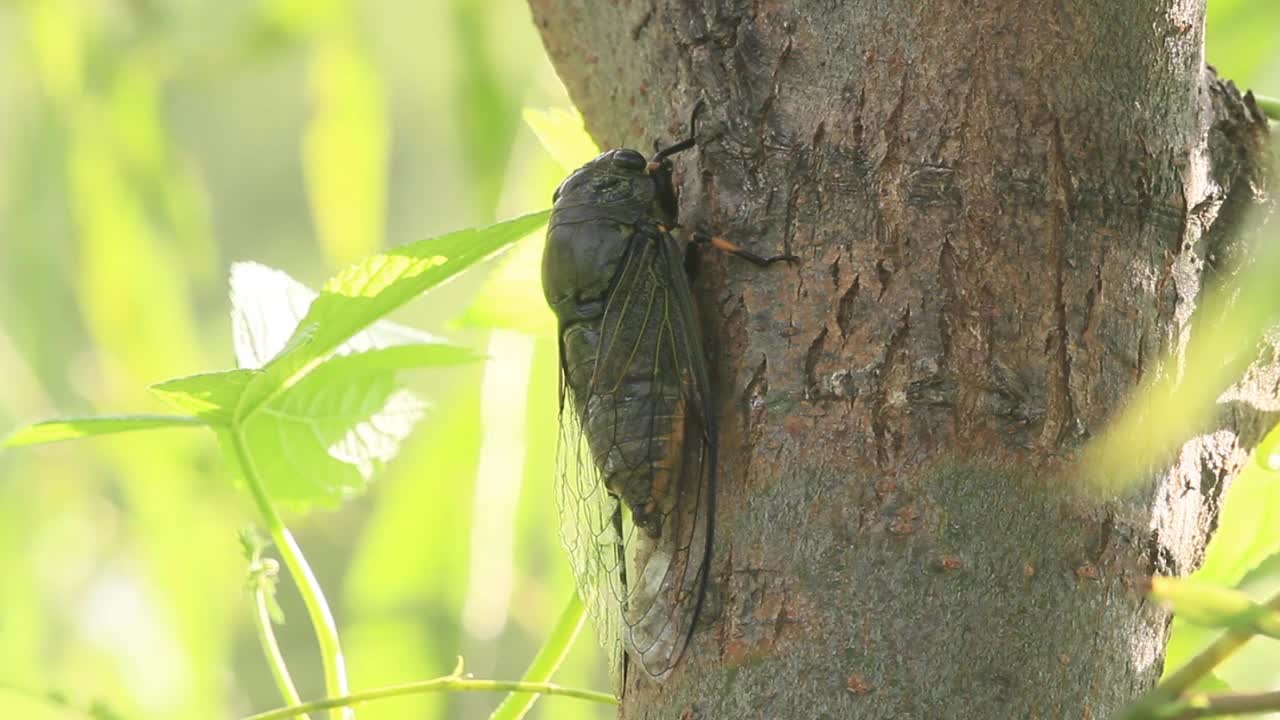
{"points": [[209, 396], [267, 306], [1216, 607], [363, 293], [562, 135], [72, 428], [321, 441], [397, 357]]}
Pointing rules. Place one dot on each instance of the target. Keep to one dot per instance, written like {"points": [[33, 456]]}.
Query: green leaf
{"points": [[209, 396], [397, 357], [369, 290], [1216, 607], [1247, 532], [511, 297], [562, 135], [73, 428], [321, 441], [267, 305], [345, 149], [1268, 451]]}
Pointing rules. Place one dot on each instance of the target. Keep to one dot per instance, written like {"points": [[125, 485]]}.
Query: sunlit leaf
{"points": [[322, 439], [562, 135], [57, 42], [484, 102], [267, 304], [345, 150], [1248, 529], [369, 290], [511, 297], [1268, 451], [320, 442], [302, 17], [209, 396], [73, 428]]}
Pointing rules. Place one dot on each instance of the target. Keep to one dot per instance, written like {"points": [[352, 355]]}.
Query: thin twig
{"points": [[1172, 687], [326, 629], [454, 681]]}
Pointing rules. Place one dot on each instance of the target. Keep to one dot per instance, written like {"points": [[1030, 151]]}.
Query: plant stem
{"points": [[1206, 660], [1155, 702], [335, 671], [1268, 105], [270, 648], [1230, 704], [447, 683], [547, 661]]}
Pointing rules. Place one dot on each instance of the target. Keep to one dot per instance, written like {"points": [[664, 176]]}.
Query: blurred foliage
{"points": [[147, 144]]}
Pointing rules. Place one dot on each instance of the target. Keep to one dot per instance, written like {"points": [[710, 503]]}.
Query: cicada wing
{"points": [[591, 529], [650, 340], [666, 596]]}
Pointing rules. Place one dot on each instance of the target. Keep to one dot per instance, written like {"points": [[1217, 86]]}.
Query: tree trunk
{"points": [[1004, 212]]}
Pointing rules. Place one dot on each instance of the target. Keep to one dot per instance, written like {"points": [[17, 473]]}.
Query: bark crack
{"points": [[1061, 410]]}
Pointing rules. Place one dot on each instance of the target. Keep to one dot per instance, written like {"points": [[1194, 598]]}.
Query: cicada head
{"points": [[614, 178], [624, 181]]}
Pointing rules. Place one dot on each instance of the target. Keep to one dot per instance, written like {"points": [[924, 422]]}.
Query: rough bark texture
{"points": [[1005, 212]]}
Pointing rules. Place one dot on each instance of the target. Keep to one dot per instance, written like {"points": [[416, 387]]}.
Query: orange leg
{"points": [[725, 245]]}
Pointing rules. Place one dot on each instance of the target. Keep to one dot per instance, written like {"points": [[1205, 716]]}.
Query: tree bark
{"points": [[1005, 212]]}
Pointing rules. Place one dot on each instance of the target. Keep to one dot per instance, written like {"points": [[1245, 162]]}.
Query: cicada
{"points": [[636, 462]]}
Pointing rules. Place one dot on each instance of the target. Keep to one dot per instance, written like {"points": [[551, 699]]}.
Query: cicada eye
{"points": [[629, 160]]}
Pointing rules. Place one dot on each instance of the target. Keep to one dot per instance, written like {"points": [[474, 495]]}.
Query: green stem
{"points": [[454, 682], [547, 661], [1230, 704], [1206, 660], [270, 648], [335, 671], [1157, 701], [1268, 105]]}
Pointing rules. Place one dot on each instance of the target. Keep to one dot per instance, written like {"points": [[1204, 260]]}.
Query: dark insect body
{"points": [[637, 454]]}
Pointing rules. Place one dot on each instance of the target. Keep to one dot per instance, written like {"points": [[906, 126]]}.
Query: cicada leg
{"points": [[724, 245]]}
